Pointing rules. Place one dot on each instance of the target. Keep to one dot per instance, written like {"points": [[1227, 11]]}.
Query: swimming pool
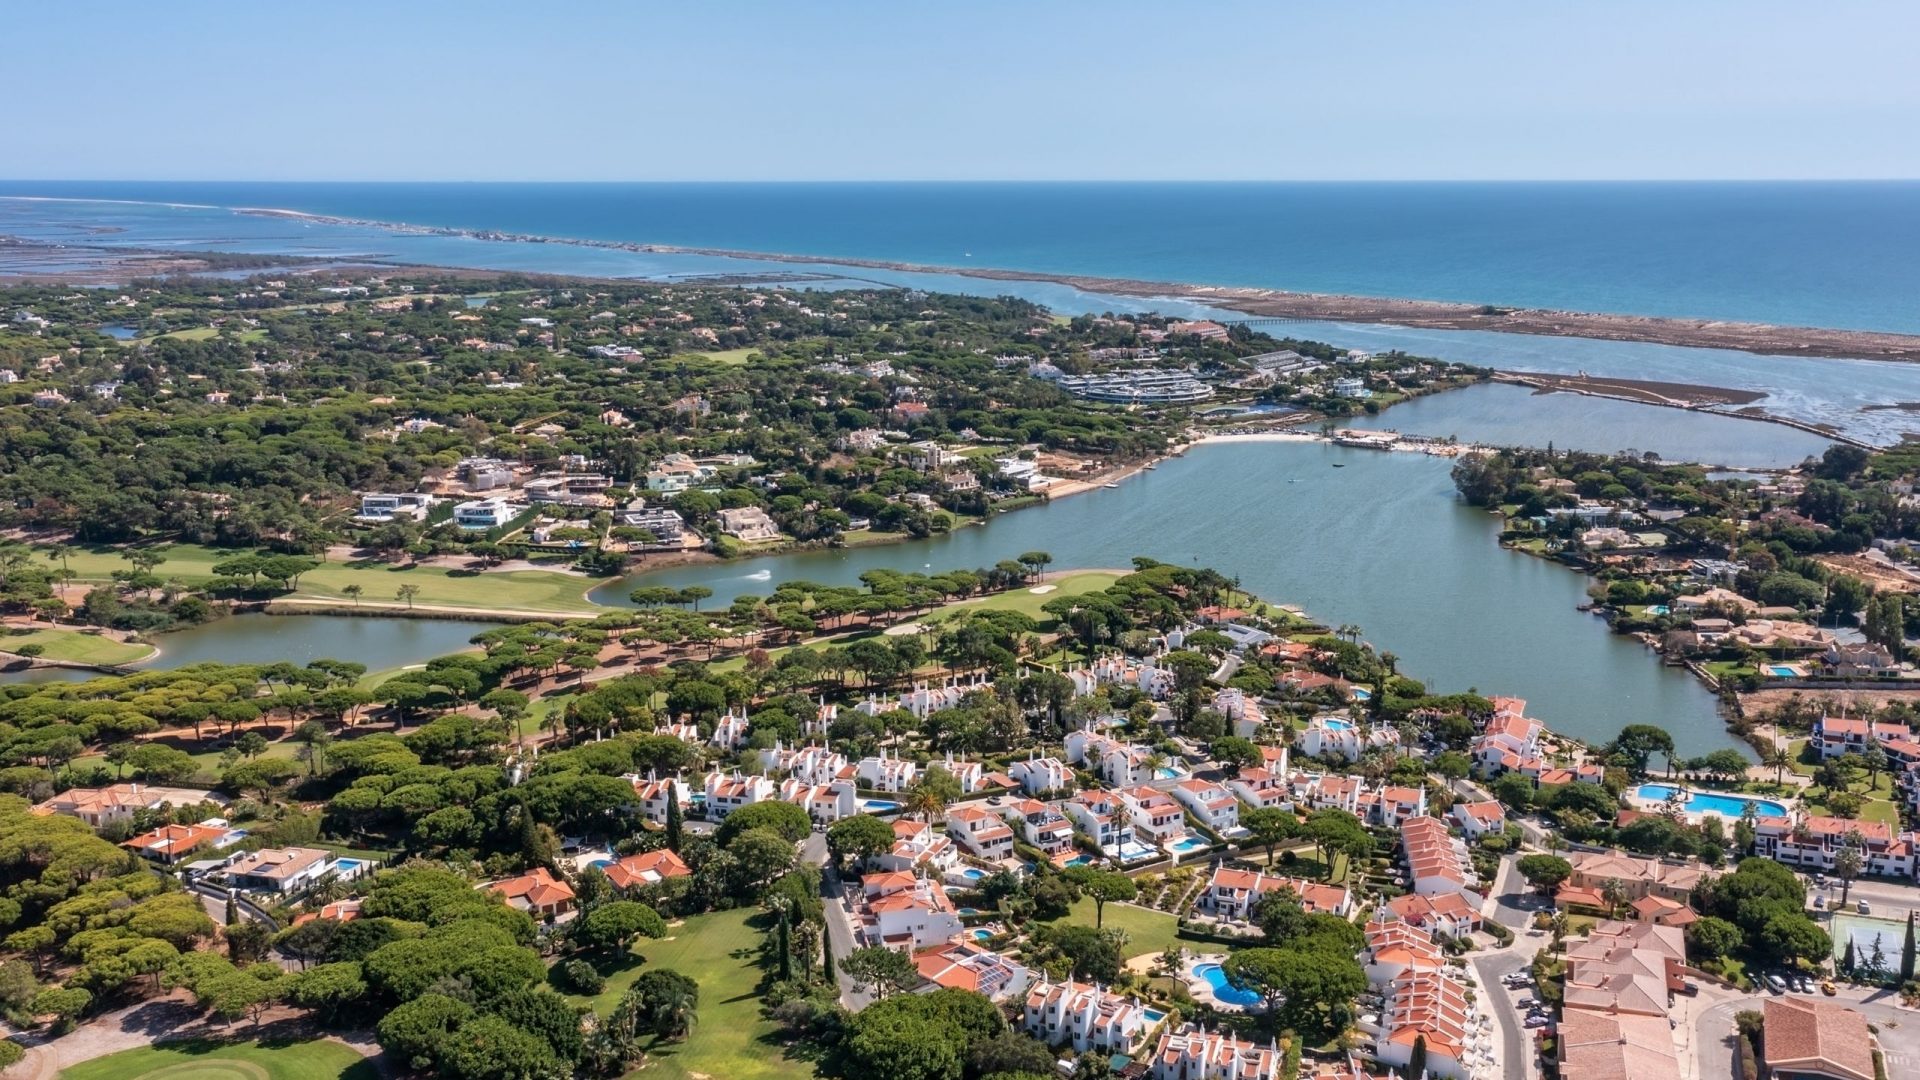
{"points": [[1659, 609], [1188, 843], [983, 935], [600, 864], [1167, 772], [1782, 671], [973, 873], [1153, 1016], [1223, 991], [1707, 802], [1079, 860], [348, 867], [878, 806], [1362, 694], [1334, 723]]}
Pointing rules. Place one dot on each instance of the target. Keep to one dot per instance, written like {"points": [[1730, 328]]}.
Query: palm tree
{"points": [[1777, 759], [924, 801], [1615, 894], [1847, 865]]}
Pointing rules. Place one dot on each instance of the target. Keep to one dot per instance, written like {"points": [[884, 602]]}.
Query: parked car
{"points": [[1862, 907], [1802, 984], [1827, 987], [1538, 1021], [1777, 984]]}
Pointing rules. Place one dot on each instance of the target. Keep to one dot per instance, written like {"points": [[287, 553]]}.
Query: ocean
{"points": [[1814, 254], [1821, 254]]}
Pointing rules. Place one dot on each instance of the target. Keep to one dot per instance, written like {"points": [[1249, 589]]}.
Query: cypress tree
{"points": [[785, 945], [1846, 959], [1906, 952], [1417, 1059], [673, 818]]}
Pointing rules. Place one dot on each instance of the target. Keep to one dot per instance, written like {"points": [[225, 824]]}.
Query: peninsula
{"points": [[1257, 302]]}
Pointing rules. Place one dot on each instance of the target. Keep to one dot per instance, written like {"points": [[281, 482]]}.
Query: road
{"points": [[1512, 906], [840, 933], [1887, 899], [1899, 1031]]}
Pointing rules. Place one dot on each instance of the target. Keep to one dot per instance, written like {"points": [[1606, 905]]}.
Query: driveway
{"points": [[1517, 1059]]}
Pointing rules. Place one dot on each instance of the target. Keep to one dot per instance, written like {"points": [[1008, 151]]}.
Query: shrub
{"points": [[581, 977]]}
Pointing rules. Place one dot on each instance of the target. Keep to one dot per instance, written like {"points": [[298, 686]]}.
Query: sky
{"points": [[982, 90]]}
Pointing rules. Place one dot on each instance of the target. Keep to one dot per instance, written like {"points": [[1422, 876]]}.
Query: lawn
{"points": [[76, 647], [200, 1059], [728, 357], [1028, 602], [730, 1038], [1147, 931], [528, 590]]}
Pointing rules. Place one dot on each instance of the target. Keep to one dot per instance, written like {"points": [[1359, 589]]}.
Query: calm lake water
{"points": [[1381, 542], [1501, 414]]}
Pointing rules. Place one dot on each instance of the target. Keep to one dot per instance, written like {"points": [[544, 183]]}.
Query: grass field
{"points": [[728, 357], [520, 590], [202, 1060], [1028, 602], [1147, 931], [76, 647], [730, 1038]]}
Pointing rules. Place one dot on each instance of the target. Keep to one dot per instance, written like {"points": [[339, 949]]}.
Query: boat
{"points": [[1109, 484], [1339, 464], [1293, 479], [1151, 466]]}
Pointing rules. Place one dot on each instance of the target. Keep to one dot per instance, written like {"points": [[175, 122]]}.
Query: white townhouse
{"points": [[1039, 775], [1156, 818], [1261, 788], [1117, 763], [1211, 804], [824, 803], [727, 792], [1233, 894], [1194, 1053], [686, 733], [808, 764], [730, 731], [1241, 710], [885, 773], [1085, 1017], [917, 844], [651, 796], [1040, 825], [905, 912], [980, 831], [1478, 819], [1102, 816]]}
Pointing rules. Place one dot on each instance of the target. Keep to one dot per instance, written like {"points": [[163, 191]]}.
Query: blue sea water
{"points": [[1808, 253], [1827, 254]]}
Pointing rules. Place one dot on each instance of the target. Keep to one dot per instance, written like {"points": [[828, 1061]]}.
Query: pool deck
{"points": [[1647, 803]]}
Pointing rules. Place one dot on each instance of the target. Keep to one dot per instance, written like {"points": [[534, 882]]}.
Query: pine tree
{"points": [[673, 817], [1906, 952]]}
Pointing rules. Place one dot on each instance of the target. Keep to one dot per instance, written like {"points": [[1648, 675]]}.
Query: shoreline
{"points": [[1259, 302]]}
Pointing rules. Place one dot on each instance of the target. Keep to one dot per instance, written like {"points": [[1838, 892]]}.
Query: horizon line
{"points": [[991, 180]]}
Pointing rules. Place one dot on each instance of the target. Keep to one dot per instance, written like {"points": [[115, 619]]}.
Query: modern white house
{"points": [[481, 514]]}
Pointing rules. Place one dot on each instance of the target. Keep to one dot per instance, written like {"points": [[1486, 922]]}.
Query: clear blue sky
{"points": [[1113, 89]]}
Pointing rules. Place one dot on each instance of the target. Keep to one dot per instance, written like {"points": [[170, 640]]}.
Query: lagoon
{"points": [[1501, 414], [1383, 543]]}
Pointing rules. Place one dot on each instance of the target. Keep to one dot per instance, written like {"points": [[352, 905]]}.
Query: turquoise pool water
{"points": [[1188, 843], [983, 935], [1167, 772], [1334, 723], [1079, 860], [1781, 671], [1154, 1016], [1360, 694], [878, 806], [1706, 802], [1659, 609], [973, 873], [1224, 991], [348, 867]]}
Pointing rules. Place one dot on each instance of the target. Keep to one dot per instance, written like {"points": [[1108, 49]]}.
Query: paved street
{"points": [[1512, 905], [1887, 899], [839, 924]]}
